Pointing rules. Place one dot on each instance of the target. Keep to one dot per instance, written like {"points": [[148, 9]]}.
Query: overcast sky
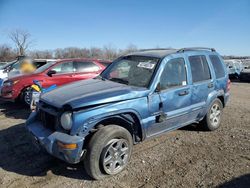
{"points": [[222, 24]]}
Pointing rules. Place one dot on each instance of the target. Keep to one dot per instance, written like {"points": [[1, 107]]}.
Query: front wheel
{"points": [[26, 96], [212, 119], [108, 151]]}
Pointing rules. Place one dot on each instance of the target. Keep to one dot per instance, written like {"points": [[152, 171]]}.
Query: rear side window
{"points": [[199, 68], [86, 67], [218, 67], [174, 74]]}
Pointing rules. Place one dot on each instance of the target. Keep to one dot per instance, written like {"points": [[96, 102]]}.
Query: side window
{"points": [[218, 67], [199, 68], [66, 67], [86, 67], [174, 74]]}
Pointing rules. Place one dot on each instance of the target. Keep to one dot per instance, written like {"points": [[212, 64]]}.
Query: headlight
{"points": [[66, 120], [8, 83]]}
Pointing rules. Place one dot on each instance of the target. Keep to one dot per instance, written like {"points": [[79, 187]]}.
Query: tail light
{"points": [[228, 85]]}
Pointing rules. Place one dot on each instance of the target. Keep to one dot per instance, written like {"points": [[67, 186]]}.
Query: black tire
{"points": [[23, 99], [207, 123], [98, 147]]}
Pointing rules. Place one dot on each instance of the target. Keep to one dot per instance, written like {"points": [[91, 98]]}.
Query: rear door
{"points": [[202, 83], [86, 70], [64, 74]]}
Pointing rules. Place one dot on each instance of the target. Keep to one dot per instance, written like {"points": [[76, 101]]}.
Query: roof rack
{"points": [[141, 50], [195, 48]]}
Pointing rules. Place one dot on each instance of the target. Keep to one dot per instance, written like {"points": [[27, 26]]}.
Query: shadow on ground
{"points": [[18, 155], [14, 110], [239, 182]]}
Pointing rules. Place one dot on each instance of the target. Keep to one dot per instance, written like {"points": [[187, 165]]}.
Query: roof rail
{"points": [[141, 50], [195, 48]]}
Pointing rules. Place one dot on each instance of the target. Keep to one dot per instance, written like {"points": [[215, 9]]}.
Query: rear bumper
{"points": [[48, 140]]}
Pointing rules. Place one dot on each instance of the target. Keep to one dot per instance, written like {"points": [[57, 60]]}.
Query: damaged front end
{"points": [[47, 132]]}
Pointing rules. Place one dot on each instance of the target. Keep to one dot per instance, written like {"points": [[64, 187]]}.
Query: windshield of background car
{"points": [[8, 64], [45, 67], [132, 70]]}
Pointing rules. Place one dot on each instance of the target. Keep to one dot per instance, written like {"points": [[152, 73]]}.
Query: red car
{"points": [[57, 72]]}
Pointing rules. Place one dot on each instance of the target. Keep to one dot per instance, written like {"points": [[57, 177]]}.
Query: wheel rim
{"points": [[116, 156], [215, 115], [27, 97]]}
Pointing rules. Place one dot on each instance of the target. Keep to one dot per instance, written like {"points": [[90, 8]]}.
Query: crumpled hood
{"points": [[92, 92]]}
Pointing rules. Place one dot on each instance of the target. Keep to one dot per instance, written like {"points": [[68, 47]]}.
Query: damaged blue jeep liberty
{"points": [[140, 95]]}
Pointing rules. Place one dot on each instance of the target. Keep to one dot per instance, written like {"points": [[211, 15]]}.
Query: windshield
{"points": [[8, 64], [131, 70], [45, 67]]}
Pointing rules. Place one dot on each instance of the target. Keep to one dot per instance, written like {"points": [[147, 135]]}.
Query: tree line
{"points": [[22, 43]]}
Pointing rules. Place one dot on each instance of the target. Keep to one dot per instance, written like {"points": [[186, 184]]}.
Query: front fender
{"points": [[86, 126]]}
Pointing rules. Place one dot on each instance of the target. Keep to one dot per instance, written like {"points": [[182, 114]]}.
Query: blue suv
{"points": [[140, 95]]}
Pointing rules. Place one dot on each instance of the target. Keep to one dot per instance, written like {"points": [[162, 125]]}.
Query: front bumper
{"points": [[47, 139], [7, 94]]}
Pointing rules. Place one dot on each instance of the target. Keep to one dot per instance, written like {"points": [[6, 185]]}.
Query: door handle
{"points": [[210, 85], [183, 93]]}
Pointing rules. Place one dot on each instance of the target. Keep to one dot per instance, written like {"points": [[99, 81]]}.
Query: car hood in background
{"points": [[92, 92], [3, 74]]}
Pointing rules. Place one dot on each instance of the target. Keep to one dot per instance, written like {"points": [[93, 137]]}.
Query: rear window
{"points": [[218, 67], [86, 67], [199, 68]]}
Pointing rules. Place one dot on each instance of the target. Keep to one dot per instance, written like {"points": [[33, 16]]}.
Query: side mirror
{"points": [[51, 72], [158, 88]]}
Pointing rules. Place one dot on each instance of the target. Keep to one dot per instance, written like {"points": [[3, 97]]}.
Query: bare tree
{"points": [[41, 54], [109, 52], [7, 53], [21, 39]]}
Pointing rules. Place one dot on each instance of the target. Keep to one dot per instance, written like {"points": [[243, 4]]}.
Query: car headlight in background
{"points": [[66, 120], [8, 83]]}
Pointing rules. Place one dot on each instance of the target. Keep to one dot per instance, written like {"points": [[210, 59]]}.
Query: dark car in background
{"points": [[58, 72], [245, 73]]}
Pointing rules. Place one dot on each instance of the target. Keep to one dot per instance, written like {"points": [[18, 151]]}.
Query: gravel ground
{"points": [[183, 158]]}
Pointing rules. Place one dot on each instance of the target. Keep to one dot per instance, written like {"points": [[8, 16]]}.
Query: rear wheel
{"points": [[108, 151], [212, 120]]}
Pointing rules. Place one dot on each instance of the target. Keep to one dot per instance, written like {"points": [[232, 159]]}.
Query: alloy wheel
{"points": [[115, 156]]}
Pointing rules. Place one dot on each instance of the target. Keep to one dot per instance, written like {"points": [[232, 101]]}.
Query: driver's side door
{"points": [[64, 74]]}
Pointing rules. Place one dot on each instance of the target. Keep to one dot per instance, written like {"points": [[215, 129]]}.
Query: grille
{"points": [[48, 120]]}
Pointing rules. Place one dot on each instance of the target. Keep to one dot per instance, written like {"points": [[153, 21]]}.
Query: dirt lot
{"points": [[183, 158]]}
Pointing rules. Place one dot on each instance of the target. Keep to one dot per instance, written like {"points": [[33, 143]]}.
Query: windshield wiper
{"points": [[119, 80]]}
